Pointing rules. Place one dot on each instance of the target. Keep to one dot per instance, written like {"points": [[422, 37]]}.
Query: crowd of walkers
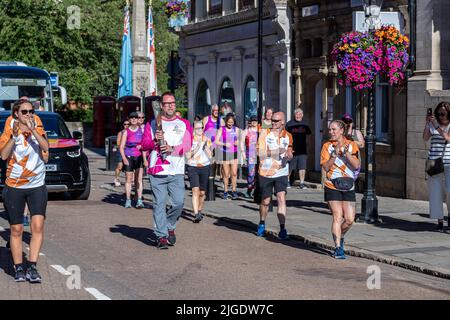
{"points": [[216, 145], [168, 147]]}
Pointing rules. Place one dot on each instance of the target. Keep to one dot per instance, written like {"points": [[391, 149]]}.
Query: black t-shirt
{"points": [[299, 131]]}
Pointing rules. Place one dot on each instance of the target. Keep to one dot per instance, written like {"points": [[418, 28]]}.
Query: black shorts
{"points": [[134, 164], [336, 195], [198, 176], [269, 186], [14, 200], [298, 162]]}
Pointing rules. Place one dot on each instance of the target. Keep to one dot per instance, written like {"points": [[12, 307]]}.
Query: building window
{"points": [[192, 5], [318, 47], [250, 98], [382, 109], [246, 4], [203, 99], [215, 7], [227, 94], [307, 48]]}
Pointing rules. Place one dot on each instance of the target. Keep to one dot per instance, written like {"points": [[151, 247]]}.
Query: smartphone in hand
{"points": [[429, 112]]}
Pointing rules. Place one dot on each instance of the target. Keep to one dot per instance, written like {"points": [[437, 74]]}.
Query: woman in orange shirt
{"points": [[339, 159]]}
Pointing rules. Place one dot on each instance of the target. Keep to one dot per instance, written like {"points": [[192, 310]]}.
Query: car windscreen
{"points": [[55, 128]]}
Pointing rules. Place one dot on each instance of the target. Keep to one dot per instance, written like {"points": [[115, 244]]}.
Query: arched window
{"points": [[250, 98], [227, 94], [203, 99]]}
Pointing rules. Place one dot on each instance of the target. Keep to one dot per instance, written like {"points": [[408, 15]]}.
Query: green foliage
{"points": [[87, 59], [79, 114]]}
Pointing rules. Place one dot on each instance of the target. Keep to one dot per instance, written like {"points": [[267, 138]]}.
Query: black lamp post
{"points": [[369, 203], [256, 193]]}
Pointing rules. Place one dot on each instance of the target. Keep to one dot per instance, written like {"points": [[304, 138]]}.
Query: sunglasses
{"points": [[27, 111], [276, 120], [126, 124], [141, 117], [440, 114]]}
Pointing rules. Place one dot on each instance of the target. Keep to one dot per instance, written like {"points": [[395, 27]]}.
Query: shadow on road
{"points": [[144, 235], [6, 262], [250, 227], [400, 224]]}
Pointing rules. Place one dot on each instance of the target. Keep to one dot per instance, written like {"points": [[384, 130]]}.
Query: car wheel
{"points": [[83, 194]]}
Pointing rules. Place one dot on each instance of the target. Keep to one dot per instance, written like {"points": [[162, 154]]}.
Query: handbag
{"points": [[343, 183], [434, 167]]}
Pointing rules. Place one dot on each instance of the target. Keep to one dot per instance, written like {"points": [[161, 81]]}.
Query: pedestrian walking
{"points": [[339, 159], [352, 133], [299, 130], [134, 159], [24, 144], [266, 122], [250, 140], [274, 150], [438, 164], [168, 137], [119, 166], [228, 142], [198, 161]]}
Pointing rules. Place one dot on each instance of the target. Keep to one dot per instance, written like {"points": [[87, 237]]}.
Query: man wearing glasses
{"points": [[274, 150], [168, 138]]}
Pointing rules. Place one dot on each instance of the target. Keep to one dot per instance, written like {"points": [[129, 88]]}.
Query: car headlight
{"points": [[74, 154]]}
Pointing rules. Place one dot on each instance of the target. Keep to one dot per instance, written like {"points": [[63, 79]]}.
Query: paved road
{"points": [[113, 248]]}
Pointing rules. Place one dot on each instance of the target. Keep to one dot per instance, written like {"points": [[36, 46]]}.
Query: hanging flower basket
{"points": [[361, 56], [176, 8], [358, 57], [395, 53]]}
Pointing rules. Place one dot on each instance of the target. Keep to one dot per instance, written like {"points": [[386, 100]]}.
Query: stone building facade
{"points": [[429, 85], [317, 26], [219, 54]]}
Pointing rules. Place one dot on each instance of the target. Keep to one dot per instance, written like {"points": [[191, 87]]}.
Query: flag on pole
{"points": [[126, 69], [151, 52]]}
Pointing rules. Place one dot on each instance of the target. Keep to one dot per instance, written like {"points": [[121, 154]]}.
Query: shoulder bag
{"points": [[434, 167]]}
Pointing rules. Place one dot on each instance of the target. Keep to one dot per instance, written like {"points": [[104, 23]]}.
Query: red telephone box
{"points": [[105, 119], [127, 105]]}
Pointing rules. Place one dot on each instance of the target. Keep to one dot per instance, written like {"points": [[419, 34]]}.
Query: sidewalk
{"points": [[406, 238]]}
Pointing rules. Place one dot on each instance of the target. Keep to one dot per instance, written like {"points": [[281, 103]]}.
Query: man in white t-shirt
{"points": [[168, 138]]}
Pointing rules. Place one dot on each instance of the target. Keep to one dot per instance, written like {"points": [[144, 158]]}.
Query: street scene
{"points": [[224, 150]]}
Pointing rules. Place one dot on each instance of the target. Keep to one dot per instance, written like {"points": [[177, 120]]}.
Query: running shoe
{"points": [[198, 217], [162, 243], [261, 230], [116, 182], [225, 196], [128, 203], [339, 253], [139, 204], [282, 235], [172, 239], [33, 275], [234, 195], [289, 185], [248, 195], [440, 226], [19, 275], [302, 186], [342, 244]]}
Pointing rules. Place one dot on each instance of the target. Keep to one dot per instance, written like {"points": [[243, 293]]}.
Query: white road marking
{"points": [[2, 229], [61, 270], [97, 294]]}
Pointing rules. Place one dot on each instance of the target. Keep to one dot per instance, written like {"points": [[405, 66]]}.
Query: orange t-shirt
{"points": [[26, 168], [339, 169]]}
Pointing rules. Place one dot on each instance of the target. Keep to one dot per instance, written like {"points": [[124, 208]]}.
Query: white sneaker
{"points": [[117, 182]]}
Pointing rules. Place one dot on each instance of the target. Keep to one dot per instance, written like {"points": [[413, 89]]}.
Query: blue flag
{"points": [[126, 69]]}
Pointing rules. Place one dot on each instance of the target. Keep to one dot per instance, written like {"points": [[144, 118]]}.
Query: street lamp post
{"points": [[369, 202]]}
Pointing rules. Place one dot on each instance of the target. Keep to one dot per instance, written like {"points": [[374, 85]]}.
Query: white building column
{"points": [[212, 80], [237, 85], [192, 86]]}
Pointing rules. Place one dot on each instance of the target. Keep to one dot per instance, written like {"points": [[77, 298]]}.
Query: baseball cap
{"points": [[347, 118]]}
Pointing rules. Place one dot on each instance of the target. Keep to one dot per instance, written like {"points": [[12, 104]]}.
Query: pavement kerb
{"points": [[328, 245]]}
